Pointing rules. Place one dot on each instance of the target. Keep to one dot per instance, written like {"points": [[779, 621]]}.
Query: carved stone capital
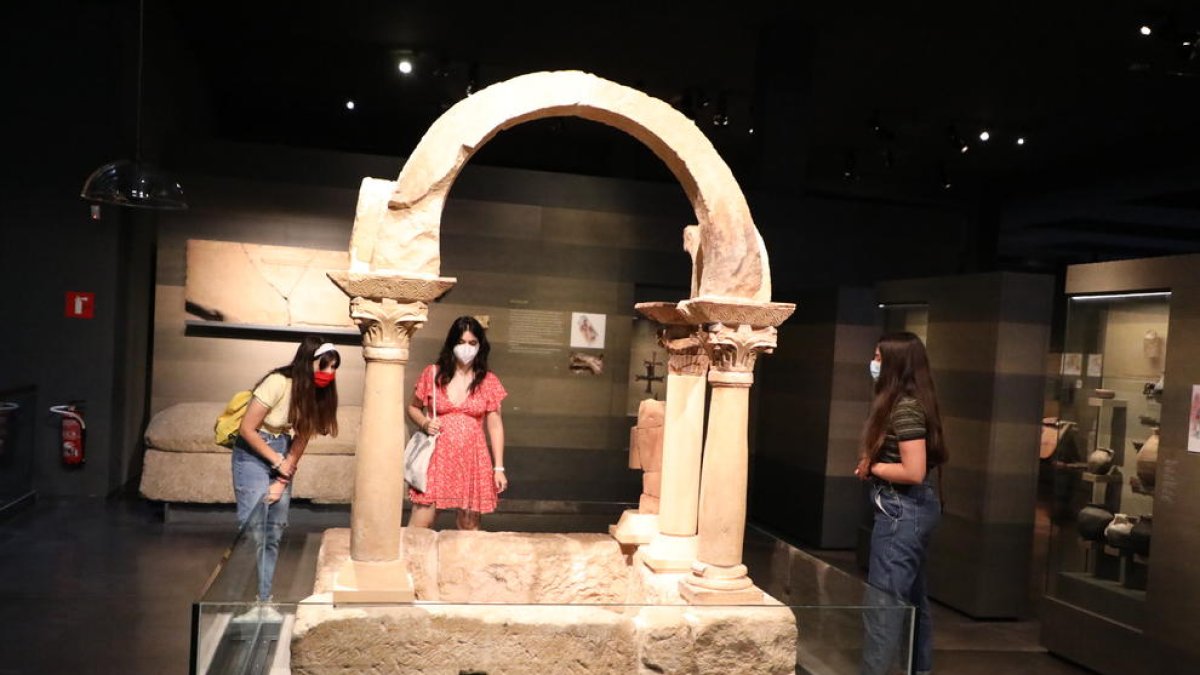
{"points": [[387, 326], [733, 349], [687, 355]]}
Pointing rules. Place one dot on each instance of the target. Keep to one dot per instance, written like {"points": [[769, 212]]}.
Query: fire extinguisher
{"points": [[74, 431]]}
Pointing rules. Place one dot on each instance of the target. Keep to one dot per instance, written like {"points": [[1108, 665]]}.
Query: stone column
{"points": [[733, 336], [673, 549], [390, 312]]}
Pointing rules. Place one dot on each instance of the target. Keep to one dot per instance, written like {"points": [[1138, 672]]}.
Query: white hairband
{"points": [[324, 348]]}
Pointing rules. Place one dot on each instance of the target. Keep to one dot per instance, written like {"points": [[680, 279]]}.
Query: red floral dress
{"points": [[460, 470]]}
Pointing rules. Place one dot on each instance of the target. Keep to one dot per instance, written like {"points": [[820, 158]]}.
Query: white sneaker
{"points": [[259, 614]]}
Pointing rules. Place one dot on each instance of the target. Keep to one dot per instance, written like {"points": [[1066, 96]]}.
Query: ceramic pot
{"points": [[1049, 438], [1092, 520], [1100, 461], [1147, 460], [1139, 536], [1117, 533]]}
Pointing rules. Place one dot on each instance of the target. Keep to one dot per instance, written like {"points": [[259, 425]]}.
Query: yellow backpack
{"points": [[226, 429]]}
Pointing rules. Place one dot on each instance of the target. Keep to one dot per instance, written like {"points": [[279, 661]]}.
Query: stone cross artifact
{"points": [[651, 375]]}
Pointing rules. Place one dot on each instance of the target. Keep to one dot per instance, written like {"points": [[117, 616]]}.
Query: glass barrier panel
{"points": [[814, 618]]}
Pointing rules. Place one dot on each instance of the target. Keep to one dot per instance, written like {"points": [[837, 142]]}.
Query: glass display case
{"points": [[1103, 446], [819, 615]]}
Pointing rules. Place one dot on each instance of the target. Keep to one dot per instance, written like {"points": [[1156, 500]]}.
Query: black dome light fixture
{"points": [[134, 182]]}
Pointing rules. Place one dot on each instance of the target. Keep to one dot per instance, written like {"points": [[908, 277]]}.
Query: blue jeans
{"points": [[251, 478], [905, 518]]}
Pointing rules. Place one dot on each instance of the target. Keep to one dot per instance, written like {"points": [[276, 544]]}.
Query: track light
{"points": [[406, 60], [957, 141]]}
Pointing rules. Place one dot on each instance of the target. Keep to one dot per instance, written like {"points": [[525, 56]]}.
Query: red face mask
{"points": [[323, 379]]}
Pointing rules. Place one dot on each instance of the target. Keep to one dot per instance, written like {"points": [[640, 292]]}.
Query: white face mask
{"points": [[874, 366], [465, 353]]}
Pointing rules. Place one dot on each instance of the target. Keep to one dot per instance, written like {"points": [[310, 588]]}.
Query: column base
{"points": [[719, 585], [671, 553], [373, 583], [698, 595], [635, 528]]}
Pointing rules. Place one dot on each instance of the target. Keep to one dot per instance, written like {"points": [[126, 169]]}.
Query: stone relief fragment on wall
{"points": [[258, 284]]}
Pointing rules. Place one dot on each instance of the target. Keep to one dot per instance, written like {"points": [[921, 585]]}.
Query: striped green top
{"points": [[907, 424]]}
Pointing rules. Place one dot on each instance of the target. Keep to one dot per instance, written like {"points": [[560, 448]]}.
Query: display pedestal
{"points": [[1102, 564], [1136, 572]]}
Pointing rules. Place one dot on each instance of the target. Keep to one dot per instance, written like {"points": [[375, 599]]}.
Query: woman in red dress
{"points": [[461, 475]]}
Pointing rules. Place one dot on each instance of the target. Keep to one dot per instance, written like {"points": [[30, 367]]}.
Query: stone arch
{"points": [[385, 241]]}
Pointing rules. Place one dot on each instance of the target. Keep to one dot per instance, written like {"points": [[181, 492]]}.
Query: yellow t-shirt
{"points": [[275, 392]]}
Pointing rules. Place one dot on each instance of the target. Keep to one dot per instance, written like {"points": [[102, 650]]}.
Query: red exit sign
{"points": [[80, 305]]}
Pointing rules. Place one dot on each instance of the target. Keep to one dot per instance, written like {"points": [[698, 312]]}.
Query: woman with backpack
{"points": [[290, 405]]}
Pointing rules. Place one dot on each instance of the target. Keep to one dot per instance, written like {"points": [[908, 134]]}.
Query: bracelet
{"points": [[498, 468]]}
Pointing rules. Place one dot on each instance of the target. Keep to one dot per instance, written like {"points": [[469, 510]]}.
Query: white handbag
{"points": [[419, 450]]}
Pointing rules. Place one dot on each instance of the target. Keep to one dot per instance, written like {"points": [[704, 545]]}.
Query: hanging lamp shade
{"points": [[130, 183]]}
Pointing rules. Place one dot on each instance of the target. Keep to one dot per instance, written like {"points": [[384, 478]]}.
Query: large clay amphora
{"points": [[1147, 460]]}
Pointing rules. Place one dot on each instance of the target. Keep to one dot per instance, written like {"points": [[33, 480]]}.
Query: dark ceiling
{"points": [[859, 100]]}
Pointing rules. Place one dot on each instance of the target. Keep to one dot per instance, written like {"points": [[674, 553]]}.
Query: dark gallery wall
{"points": [[68, 118], [988, 335], [814, 395]]}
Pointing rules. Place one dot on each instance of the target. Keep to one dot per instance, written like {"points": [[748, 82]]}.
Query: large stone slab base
{"points": [[626, 620]]}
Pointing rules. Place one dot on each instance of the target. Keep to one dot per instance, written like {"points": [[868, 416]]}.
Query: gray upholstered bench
{"points": [[182, 464]]}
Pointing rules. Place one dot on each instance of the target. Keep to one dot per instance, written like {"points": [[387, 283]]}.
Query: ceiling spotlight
{"points": [[751, 131], [721, 116], [405, 66], [881, 132], [1020, 140], [849, 173], [984, 135], [349, 104], [957, 141], [944, 178], [1145, 30], [472, 79]]}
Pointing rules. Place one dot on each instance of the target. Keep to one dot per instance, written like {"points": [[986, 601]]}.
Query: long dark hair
{"points": [[313, 410], [904, 372], [446, 360]]}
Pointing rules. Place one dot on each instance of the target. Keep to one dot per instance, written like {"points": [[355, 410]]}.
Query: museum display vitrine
{"points": [[1105, 452], [485, 605]]}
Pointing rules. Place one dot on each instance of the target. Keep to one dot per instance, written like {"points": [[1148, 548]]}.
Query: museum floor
{"points": [[105, 586]]}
